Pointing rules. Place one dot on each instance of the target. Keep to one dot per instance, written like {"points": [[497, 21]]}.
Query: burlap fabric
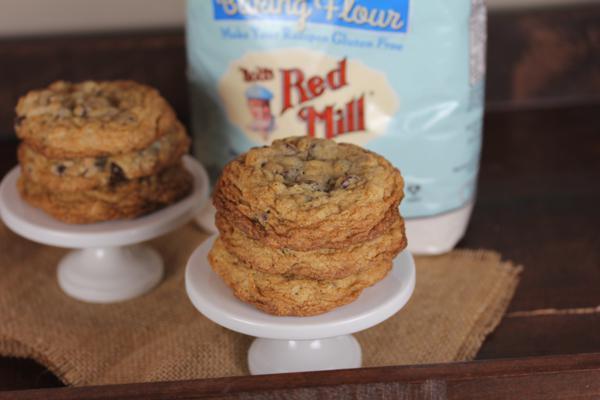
{"points": [[459, 298]]}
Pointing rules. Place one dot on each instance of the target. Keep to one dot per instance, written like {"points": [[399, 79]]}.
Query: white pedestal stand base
{"points": [[106, 275], [110, 265], [267, 356], [294, 344]]}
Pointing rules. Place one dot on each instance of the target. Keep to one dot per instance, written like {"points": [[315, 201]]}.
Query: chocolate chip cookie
{"points": [[304, 193], [93, 172], [120, 200], [314, 264], [289, 295], [306, 224], [92, 119]]}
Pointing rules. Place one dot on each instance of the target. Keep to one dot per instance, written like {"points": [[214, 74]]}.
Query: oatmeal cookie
{"points": [[288, 295], [92, 119], [314, 264], [307, 190], [305, 238], [121, 200], [93, 172]]}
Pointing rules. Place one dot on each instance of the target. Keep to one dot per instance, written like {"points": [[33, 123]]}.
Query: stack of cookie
{"points": [[98, 151], [306, 224]]}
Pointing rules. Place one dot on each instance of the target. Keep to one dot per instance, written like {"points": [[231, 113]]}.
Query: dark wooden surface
{"points": [[538, 200], [544, 57], [538, 204], [546, 378]]}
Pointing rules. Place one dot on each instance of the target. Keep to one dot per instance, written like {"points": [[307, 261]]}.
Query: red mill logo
{"points": [[299, 89], [273, 94]]}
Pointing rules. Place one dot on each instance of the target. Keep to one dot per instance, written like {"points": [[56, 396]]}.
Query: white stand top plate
{"points": [[40, 227], [213, 298]]}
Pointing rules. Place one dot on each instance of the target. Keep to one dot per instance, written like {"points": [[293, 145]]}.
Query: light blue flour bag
{"points": [[404, 78]]}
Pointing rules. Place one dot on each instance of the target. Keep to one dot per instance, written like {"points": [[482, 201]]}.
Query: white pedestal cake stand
{"points": [[293, 344], [110, 265]]}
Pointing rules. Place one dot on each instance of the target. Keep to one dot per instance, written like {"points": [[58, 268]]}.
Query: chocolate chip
{"points": [[349, 181], [60, 169], [265, 216], [114, 102], [289, 276], [290, 175], [100, 163], [116, 175], [330, 185]]}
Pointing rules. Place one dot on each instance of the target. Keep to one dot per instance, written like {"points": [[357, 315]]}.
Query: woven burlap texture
{"points": [[458, 300]]}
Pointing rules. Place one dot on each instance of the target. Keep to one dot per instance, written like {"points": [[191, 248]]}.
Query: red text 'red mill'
{"points": [[299, 89]]}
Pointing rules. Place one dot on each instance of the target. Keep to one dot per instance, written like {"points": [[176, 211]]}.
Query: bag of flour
{"points": [[404, 78]]}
